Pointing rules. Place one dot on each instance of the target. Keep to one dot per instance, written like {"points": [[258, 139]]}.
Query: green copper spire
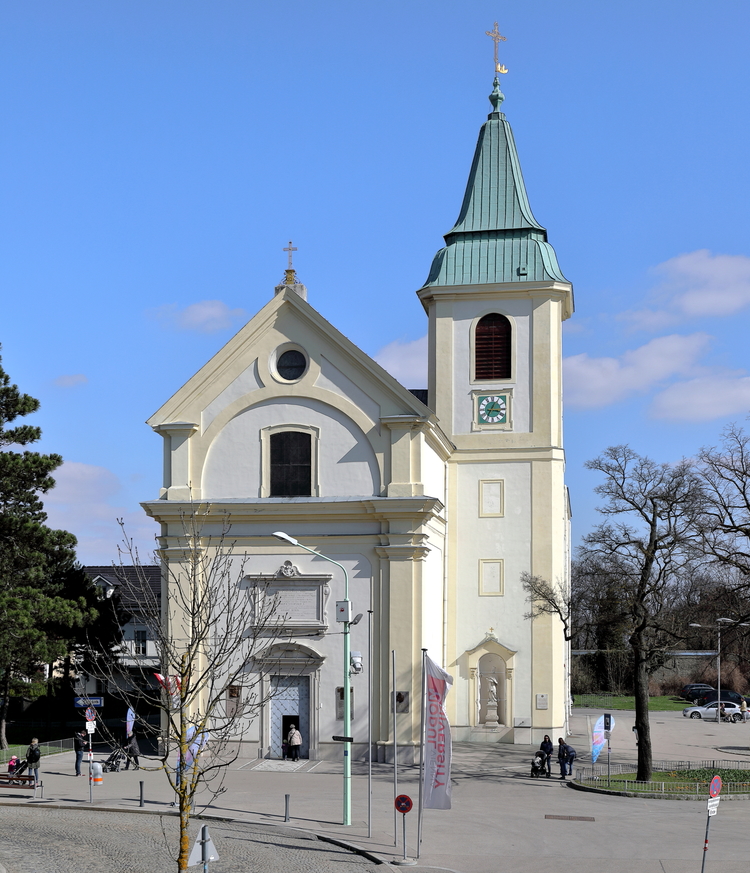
{"points": [[496, 237]]}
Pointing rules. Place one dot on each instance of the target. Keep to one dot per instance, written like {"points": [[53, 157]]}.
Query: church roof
{"points": [[496, 237]]}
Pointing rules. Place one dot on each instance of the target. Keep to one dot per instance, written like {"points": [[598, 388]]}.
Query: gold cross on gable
{"points": [[496, 37], [290, 248]]}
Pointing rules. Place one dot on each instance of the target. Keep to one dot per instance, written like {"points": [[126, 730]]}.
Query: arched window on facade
{"points": [[492, 347], [291, 464]]}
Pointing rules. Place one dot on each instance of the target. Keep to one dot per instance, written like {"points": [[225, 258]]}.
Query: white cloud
{"points": [[207, 316], [704, 398], [595, 382], [71, 380], [84, 502], [696, 285], [406, 361]]}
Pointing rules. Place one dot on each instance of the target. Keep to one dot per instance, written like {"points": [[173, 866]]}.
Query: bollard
{"points": [[142, 802], [96, 771], [41, 788], [286, 807]]}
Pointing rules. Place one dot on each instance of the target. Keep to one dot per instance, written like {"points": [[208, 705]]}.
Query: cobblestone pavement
{"points": [[45, 840]]}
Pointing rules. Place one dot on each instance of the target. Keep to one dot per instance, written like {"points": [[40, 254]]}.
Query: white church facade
{"points": [[436, 502]]}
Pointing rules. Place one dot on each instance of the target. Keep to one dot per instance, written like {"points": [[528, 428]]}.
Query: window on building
{"points": [[291, 464], [139, 638], [291, 365], [492, 347]]}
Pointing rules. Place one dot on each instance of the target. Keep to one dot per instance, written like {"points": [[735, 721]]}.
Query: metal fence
{"points": [[48, 747], [596, 777], [600, 700]]}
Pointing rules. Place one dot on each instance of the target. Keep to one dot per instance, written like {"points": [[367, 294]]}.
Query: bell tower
{"points": [[496, 299]]}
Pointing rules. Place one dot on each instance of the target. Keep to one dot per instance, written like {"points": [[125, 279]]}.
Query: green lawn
{"points": [[681, 782], [667, 703]]}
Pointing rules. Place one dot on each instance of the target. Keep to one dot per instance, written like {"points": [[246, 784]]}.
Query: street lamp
{"points": [[345, 603], [719, 622]]}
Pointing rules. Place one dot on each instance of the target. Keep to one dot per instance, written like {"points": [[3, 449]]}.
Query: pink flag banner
{"points": [[171, 684], [437, 744]]}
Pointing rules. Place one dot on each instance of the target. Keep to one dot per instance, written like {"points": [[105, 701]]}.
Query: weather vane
{"points": [[496, 37]]}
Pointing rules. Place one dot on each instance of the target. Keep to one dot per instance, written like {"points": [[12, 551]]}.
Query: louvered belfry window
{"points": [[492, 347], [291, 469]]}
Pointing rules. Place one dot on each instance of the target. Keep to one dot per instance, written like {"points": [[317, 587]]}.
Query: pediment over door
{"points": [[289, 659]]}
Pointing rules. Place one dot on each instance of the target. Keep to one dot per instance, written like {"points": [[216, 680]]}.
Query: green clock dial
{"points": [[493, 409]]}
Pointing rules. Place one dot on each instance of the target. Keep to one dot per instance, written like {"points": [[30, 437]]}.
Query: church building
{"points": [[435, 501]]}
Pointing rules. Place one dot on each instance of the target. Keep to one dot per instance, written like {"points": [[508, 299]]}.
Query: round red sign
{"points": [[714, 789], [403, 803]]}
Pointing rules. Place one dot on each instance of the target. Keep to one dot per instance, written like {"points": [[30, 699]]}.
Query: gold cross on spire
{"points": [[291, 277], [496, 37]]}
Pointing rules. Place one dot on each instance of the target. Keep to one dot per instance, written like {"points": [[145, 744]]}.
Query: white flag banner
{"points": [[437, 747]]}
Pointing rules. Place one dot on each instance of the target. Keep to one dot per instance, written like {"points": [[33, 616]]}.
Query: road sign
{"points": [[403, 803], [713, 805], [714, 789], [90, 714], [91, 726], [204, 850], [83, 702], [343, 739]]}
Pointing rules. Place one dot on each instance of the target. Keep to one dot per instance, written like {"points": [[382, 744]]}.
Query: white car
{"points": [[731, 711]]}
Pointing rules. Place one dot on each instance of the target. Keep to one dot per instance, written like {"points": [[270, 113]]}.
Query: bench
{"points": [[16, 781]]}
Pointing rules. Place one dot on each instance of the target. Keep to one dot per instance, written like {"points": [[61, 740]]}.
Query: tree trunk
{"points": [[642, 725], [4, 704]]}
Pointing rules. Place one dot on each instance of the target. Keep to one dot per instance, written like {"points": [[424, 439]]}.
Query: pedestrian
{"points": [[563, 757], [79, 745], [547, 748], [294, 741], [132, 751], [571, 757], [33, 756], [743, 709]]}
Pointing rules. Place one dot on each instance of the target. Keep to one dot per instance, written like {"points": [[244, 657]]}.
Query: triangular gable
{"points": [[233, 360]]}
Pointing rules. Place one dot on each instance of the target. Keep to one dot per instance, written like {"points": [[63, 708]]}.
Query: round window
{"points": [[291, 365]]}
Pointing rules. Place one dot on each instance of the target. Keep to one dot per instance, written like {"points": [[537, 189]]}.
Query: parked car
{"points": [[695, 690], [731, 710], [726, 695]]}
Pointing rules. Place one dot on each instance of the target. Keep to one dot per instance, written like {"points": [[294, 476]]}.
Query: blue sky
{"points": [[155, 157]]}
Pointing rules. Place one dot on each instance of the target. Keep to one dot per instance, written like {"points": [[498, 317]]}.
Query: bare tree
{"points": [[726, 517], [546, 598], [644, 551], [209, 629]]}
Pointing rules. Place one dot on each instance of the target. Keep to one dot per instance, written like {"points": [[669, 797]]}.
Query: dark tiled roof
{"points": [[128, 581]]}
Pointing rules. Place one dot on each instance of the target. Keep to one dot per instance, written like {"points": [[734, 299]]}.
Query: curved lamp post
{"points": [[279, 534]]}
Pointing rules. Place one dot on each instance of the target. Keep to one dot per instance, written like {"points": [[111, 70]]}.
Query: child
{"points": [[12, 764]]}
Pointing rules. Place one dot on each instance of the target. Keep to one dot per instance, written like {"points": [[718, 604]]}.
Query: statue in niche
{"points": [[491, 716]]}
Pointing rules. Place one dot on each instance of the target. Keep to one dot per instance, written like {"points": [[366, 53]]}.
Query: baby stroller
{"points": [[114, 762], [20, 769], [539, 765]]}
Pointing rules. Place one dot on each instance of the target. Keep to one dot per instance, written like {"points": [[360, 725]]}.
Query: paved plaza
{"points": [[501, 821]]}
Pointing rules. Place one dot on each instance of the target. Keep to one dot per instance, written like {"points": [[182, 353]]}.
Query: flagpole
{"points": [[369, 719], [421, 754], [395, 748]]}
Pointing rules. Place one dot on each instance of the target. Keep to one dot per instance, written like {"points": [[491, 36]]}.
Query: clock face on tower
{"points": [[492, 408]]}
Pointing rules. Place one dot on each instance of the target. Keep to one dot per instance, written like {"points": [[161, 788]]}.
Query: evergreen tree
{"points": [[36, 615]]}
